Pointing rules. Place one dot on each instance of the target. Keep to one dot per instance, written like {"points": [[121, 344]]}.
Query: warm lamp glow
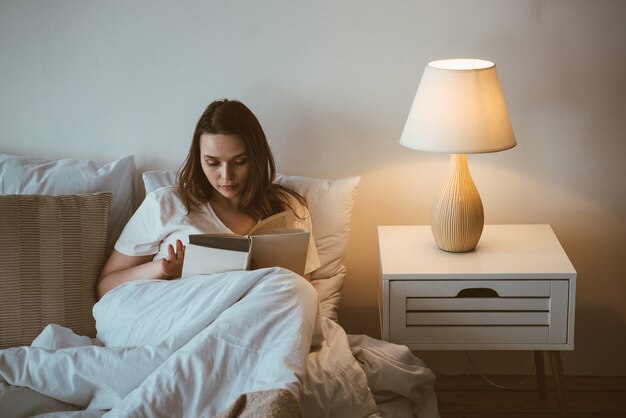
{"points": [[459, 108], [462, 64]]}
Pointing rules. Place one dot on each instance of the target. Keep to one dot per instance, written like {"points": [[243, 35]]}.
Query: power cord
{"points": [[532, 369]]}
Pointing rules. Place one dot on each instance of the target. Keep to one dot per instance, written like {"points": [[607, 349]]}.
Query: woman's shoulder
{"points": [[166, 199]]}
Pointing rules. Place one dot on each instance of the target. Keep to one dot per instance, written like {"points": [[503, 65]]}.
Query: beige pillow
{"points": [[52, 248]]}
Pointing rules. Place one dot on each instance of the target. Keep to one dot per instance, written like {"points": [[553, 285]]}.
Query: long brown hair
{"points": [[261, 197]]}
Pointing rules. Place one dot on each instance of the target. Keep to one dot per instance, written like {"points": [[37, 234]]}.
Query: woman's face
{"points": [[225, 163]]}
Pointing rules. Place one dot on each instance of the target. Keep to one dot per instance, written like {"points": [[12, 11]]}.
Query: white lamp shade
{"points": [[459, 108]]}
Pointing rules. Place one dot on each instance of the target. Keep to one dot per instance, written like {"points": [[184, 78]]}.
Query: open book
{"points": [[273, 242]]}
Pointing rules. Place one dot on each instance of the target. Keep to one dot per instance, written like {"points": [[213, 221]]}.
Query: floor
{"points": [[473, 397]]}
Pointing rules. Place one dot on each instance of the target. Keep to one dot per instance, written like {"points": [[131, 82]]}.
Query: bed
{"points": [[257, 343]]}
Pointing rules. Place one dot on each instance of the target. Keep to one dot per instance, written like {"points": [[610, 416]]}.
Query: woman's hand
{"points": [[120, 268], [172, 265]]}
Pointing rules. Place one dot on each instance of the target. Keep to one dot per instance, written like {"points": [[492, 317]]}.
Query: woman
{"points": [[224, 186]]}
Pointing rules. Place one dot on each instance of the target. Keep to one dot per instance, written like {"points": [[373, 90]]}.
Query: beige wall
{"points": [[332, 82]]}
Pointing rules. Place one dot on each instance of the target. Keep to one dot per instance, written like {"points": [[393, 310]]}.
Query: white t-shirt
{"points": [[162, 218]]}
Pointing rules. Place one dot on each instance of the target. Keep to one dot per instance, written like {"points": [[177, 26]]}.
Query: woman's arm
{"points": [[121, 268]]}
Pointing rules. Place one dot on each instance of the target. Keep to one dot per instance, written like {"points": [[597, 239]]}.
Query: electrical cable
{"points": [[532, 369]]}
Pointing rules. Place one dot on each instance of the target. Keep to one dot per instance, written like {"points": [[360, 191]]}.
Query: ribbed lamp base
{"points": [[457, 214]]}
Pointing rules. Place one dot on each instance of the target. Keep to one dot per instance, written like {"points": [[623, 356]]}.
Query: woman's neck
{"points": [[228, 211], [216, 199]]}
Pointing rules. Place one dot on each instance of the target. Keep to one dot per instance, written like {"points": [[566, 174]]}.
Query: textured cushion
{"points": [[27, 175], [53, 248], [330, 203]]}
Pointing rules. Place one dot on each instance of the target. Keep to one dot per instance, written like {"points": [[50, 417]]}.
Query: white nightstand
{"points": [[515, 291]]}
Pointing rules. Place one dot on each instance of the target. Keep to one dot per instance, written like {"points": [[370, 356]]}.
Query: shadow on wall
{"points": [[604, 338], [360, 319]]}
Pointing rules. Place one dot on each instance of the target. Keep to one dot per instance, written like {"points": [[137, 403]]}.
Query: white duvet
{"points": [[189, 348]]}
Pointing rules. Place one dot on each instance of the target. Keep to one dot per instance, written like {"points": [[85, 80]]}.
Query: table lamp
{"points": [[459, 108]]}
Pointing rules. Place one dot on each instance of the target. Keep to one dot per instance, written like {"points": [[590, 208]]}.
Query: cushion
{"points": [[330, 203], [28, 175], [53, 248], [153, 180]]}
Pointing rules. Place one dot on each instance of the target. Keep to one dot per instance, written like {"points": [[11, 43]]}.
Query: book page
{"points": [[207, 260], [278, 221]]}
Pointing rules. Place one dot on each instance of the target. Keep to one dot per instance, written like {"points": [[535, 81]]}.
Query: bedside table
{"points": [[515, 291]]}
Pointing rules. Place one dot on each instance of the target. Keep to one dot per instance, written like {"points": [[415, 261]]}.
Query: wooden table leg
{"points": [[559, 381], [540, 369]]}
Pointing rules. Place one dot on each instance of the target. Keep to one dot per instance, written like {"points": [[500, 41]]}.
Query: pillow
{"points": [[153, 180], [53, 248], [27, 175], [330, 203]]}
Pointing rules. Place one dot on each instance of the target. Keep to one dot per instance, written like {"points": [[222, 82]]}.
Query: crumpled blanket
{"points": [[218, 345], [395, 376]]}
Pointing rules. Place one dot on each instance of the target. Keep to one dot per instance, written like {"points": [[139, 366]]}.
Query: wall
{"points": [[332, 83]]}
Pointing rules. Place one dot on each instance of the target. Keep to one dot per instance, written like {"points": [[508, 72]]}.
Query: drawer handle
{"points": [[478, 292]]}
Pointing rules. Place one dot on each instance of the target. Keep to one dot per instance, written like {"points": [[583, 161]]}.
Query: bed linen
{"points": [[219, 345]]}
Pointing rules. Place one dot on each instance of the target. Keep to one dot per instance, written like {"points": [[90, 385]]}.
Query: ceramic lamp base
{"points": [[457, 214]]}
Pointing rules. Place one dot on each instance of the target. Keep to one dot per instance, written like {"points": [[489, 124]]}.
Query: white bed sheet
{"points": [[190, 347]]}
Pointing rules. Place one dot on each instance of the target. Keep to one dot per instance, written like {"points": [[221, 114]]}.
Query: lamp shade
{"points": [[459, 108]]}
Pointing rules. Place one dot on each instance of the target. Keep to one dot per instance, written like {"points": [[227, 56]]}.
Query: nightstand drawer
{"points": [[465, 312]]}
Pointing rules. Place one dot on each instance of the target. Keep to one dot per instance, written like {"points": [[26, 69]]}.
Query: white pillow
{"points": [[153, 180], [28, 175], [330, 203]]}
